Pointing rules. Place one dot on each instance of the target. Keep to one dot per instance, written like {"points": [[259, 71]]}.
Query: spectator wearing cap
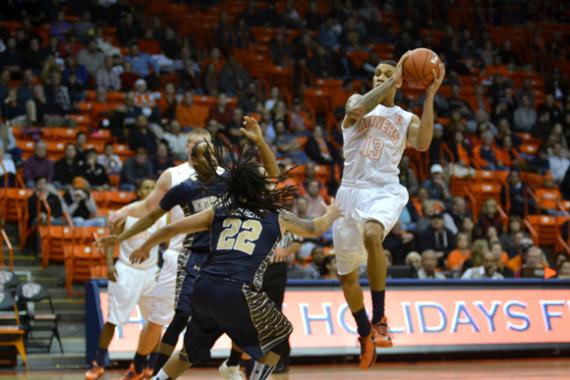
{"points": [[488, 270], [81, 206], [435, 185], [38, 165], [428, 270], [437, 237], [135, 170], [65, 167]]}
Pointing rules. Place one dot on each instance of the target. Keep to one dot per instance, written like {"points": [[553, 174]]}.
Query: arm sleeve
{"points": [[173, 197]]}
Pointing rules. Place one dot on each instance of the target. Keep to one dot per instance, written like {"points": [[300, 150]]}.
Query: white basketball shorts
{"points": [[164, 292], [134, 287], [382, 203]]}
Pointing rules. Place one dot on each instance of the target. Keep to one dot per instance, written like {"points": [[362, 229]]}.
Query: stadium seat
{"points": [[545, 230], [117, 199], [11, 331], [79, 259], [318, 99]]}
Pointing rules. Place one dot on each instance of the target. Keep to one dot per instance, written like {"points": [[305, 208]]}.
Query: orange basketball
{"points": [[418, 67]]}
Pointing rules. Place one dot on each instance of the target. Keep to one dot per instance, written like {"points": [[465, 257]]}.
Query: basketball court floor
{"points": [[525, 369]]}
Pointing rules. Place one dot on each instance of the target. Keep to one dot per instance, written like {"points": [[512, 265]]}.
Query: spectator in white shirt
{"points": [[176, 141], [558, 163], [486, 271], [429, 266]]}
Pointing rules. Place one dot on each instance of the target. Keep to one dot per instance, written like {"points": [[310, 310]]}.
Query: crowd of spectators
{"points": [[45, 78]]}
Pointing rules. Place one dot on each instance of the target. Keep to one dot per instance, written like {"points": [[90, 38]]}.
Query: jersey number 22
{"points": [[239, 235]]}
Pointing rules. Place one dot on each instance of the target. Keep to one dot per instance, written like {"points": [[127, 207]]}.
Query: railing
{"points": [[6, 240]]}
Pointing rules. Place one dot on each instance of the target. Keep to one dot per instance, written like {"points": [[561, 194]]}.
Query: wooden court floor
{"points": [[526, 369]]}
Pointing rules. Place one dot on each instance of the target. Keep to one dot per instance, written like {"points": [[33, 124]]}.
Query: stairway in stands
{"points": [[70, 309]]}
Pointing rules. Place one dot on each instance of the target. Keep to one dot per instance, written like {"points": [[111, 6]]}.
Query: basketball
{"points": [[418, 67]]}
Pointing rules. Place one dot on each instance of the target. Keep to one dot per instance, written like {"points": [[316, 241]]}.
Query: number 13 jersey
{"points": [[373, 147], [241, 245]]}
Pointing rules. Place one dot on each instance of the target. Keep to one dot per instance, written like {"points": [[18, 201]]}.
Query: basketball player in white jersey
{"points": [[129, 285], [376, 132]]}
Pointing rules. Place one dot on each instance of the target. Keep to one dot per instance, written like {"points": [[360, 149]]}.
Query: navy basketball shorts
{"points": [[193, 266], [247, 316]]}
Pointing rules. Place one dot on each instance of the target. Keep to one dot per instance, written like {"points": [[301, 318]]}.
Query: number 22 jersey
{"points": [[241, 245], [373, 147]]}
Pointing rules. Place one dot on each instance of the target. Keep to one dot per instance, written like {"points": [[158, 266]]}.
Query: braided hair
{"points": [[246, 182]]}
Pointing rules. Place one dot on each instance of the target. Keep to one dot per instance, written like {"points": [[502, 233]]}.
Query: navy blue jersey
{"points": [[193, 196], [241, 244]]}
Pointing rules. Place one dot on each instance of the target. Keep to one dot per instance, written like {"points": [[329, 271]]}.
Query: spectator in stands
{"points": [[507, 240], [558, 163], [81, 206], [91, 58], [408, 177], [502, 259], [60, 27], [43, 112], [7, 169], [454, 218], [535, 264], [142, 63], [65, 167], [141, 136], [73, 68], [398, 242], [106, 77], [59, 93], [485, 154], [551, 108], [12, 109], [80, 142], [222, 112], [187, 113], [436, 186], [110, 161], [232, 130], [44, 190], [26, 88], [489, 269], [135, 170], [8, 143], [564, 270], [438, 238], [319, 149], [233, 77], [488, 218], [329, 268], [93, 171], [288, 146], [316, 202], [459, 255], [34, 56], [162, 160], [525, 116], [457, 103], [315, 267], [428, 270], [128, 30], [38, 165], [517, 193], [176, 140], [11, 59], [190, 77], [414, 260]]}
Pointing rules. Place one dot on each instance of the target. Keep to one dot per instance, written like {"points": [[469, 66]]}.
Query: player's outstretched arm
{"points": [[309, 227], [420, 131], [140, 209], [359, 105], [253, 132], [194, 223]]}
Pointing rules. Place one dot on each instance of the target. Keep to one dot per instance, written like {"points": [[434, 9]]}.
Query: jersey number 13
{"points": [[239, 235]]}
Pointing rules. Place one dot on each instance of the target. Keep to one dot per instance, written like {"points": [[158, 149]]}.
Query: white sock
{"points": [[161, 375], [261, 371]]}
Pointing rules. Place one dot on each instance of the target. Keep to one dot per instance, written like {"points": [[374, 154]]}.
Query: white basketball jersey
{"points": [[179, 174], [373, 147], [127, 247]]}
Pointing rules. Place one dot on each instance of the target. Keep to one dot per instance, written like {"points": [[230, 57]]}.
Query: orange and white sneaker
{"points": [[382, 335], [95, 372], [131, 374], [367, 351]]}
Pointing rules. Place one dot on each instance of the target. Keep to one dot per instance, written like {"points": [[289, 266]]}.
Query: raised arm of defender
{"points": [[309, 227], [420, 131]]}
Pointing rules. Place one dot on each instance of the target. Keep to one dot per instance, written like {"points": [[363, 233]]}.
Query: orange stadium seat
{"points": [[79, 259], [318, 99], [117, 199], [545, 230]]}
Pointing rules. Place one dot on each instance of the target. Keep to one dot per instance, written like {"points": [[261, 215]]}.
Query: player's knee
{"points": [[348, 280], [373, 233]]}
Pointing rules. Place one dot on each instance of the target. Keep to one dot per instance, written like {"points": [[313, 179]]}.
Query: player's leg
{"points": [[265, 366], [170, 338], [377, 266], [105, 339], [230, 369], [174, 367]]}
